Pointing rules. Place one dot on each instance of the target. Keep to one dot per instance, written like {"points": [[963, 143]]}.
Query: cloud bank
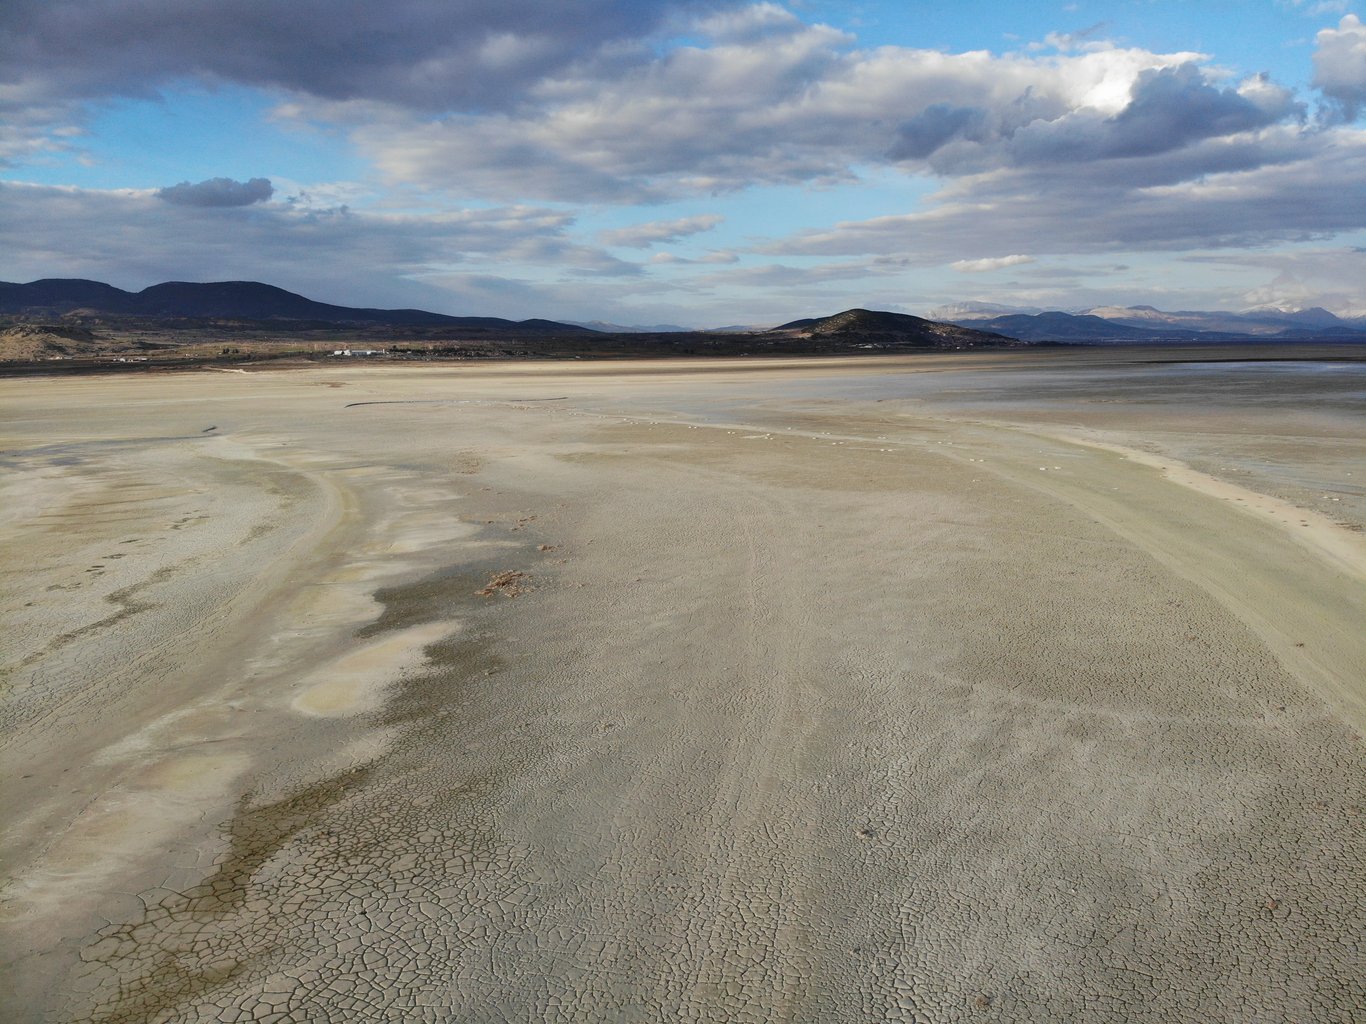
{"points": [[629, 101], [506, 120], [379, 255], [424, 54]]}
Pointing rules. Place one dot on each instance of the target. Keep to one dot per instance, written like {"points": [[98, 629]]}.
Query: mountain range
{"points": [[233, 300], [1138, 324], [84, 323], [81, 304]]}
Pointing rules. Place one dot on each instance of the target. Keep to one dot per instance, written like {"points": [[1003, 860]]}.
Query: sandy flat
{"points": [[929, 689]]}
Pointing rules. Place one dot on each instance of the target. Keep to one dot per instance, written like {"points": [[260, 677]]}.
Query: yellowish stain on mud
{"points": [[356, 682]]}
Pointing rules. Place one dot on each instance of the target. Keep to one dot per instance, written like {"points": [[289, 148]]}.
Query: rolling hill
{"points": [[877, 329]]}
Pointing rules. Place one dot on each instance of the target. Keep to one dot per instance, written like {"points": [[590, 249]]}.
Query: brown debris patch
{"points": [[507, 583]]}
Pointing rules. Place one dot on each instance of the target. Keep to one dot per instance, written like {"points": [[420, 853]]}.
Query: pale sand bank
{"points": [[827, 695], [1323, 535]]}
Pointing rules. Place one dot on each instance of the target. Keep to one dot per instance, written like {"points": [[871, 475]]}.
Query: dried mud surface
{"points": [[939, 689]]}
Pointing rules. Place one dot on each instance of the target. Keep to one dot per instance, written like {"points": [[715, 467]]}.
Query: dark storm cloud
{"points": [[218, 192], [933, 127], [429, 54], [1171, 107]]}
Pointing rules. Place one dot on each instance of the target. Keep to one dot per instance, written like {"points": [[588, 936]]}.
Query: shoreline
{"points": [[1336, 542], [1267, 351]]}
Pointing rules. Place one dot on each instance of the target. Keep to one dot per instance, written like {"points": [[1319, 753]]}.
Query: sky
{"points": [[693, 162]]}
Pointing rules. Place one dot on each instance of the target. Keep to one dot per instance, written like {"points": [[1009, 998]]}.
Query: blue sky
{"points": [[698, 162]]}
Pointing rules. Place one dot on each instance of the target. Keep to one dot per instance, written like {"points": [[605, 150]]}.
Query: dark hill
{"points": [[899, 330], [62, 295], [234, 300]]}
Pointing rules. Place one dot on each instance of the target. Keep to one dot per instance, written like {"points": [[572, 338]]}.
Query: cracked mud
{"points": [[830, 693]]}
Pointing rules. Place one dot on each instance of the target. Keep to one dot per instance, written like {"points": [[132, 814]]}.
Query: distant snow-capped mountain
{"points": [[1138, 324], [1261, 321], [1186, 320]]}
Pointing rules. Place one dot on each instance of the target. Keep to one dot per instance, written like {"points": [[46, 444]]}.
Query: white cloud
{"points": [[672, 259], [642, 236], [1086, 39], [989, 263], [1315, 8], [1340, 65], [1334, 278], [756, 96], [797, 280], [746, 23], [33, 127], [796, 104]]}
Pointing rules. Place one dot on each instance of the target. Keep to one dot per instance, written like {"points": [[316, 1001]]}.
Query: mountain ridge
{"points": [[238, 300], [1112, 324], [253, 305]]}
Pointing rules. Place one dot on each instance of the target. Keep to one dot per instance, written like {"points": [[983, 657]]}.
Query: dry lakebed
{"points": [[980, 687]]}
